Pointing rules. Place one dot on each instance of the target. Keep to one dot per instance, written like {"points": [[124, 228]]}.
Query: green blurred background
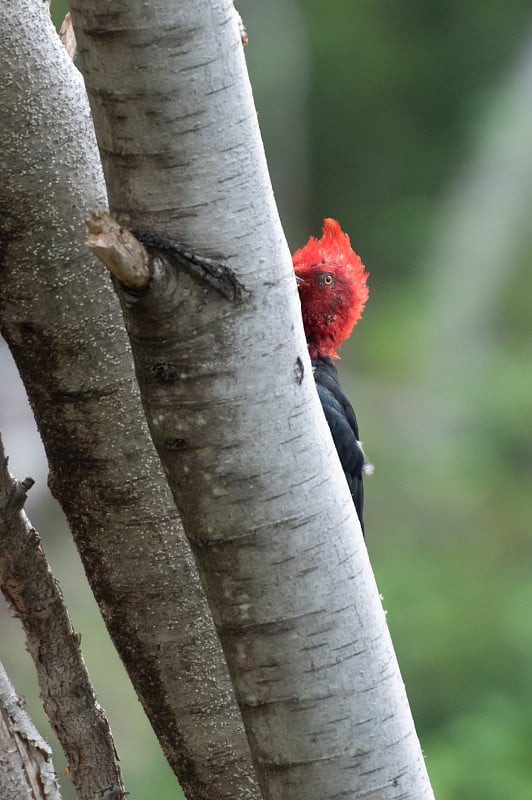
{"points": [[411, 122]]}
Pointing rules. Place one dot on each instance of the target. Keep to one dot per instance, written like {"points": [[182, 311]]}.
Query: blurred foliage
{"points": [[397, 88], [371, 112]]}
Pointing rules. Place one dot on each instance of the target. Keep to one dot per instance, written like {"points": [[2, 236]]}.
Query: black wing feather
{"points": [[344, 428]]}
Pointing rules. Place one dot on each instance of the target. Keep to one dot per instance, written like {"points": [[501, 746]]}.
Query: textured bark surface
{"points": [[63, 325], [232, 407], [26, 768], [68, 698]]}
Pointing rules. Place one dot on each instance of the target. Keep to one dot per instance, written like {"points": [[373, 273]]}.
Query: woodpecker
{"points": [[332, 284]]}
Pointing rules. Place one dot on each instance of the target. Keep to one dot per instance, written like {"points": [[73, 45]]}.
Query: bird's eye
{"points": [[327, 279]]}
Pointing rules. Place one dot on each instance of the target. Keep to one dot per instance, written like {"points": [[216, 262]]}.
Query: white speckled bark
{"points": [[62, 321]]}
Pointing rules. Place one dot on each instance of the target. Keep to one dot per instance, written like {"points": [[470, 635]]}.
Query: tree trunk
{"points": [[62, 322], [229, 396]]}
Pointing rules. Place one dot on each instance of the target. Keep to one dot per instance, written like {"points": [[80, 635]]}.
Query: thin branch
{"points": [[68, 698], [244, 38], [116, 247], [68, 37], [27, 771]]}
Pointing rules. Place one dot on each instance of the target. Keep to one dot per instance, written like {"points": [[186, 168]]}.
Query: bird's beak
{"points": [[299, 279]]}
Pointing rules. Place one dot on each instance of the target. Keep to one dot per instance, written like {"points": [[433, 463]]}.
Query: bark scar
{"points": [[299, 371], [207, 270]]}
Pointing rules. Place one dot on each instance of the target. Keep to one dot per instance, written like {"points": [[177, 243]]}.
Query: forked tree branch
{"points": [[62, 322]]}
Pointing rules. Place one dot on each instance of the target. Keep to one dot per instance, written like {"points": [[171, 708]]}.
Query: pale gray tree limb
{"points": [[485, 221], [231, 404], [26, 768], [484, 225], [63, 325], [68, 697]]}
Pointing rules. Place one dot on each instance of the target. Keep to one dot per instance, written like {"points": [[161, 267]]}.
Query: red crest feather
{"points": [[329, 314]]}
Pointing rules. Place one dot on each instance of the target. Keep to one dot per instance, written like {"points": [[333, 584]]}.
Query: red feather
{"points": [[330, 309]]}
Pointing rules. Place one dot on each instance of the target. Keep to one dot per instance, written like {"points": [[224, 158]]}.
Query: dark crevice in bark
{"points": [[212, 271]]}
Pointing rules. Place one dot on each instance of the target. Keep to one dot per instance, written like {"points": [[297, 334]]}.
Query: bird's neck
{"points": [[322, 345], [324, 334]]}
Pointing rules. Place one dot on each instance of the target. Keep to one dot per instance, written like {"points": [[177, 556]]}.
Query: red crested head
{"points": [[331, 280]]}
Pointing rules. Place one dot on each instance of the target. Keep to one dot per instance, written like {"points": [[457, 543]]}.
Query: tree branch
{"points": [[242, 438], [116, 247], [68, 698], [26, 768], [63, 325], [68, 37]]}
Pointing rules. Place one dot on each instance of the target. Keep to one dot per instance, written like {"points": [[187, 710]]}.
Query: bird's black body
{"points": [[344, 428]]}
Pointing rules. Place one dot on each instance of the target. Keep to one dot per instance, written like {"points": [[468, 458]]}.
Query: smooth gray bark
{"points": [[230, 400], [62, 322], [26, 768]]}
